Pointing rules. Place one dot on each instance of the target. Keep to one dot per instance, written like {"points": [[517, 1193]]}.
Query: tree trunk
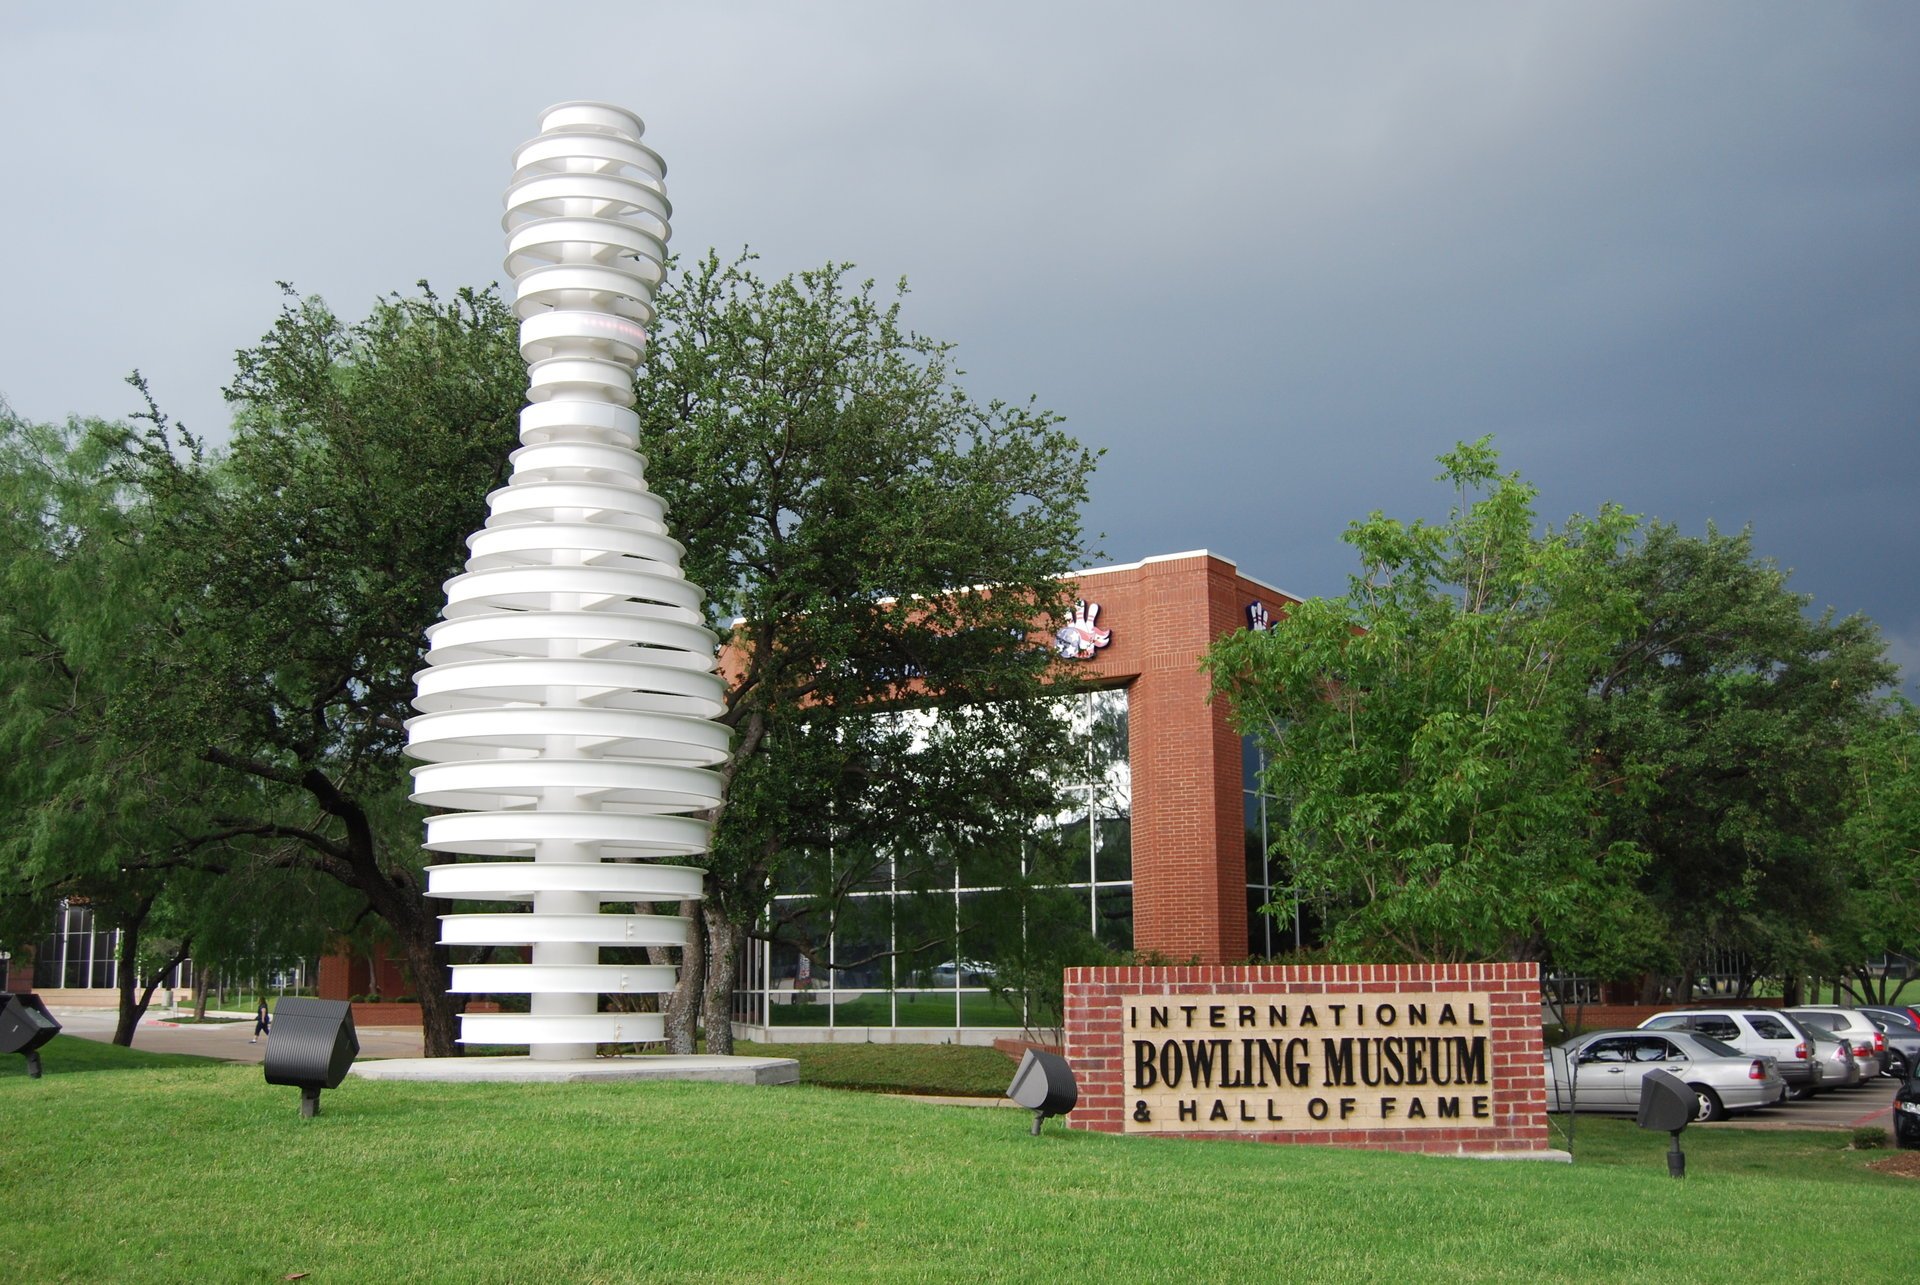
{"points": [[130, 1011], [427, 960], [723, 950], [132, 1007], [682, 1009]]}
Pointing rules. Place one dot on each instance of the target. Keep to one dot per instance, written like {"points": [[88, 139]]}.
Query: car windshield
{"points": [[1716, 1048]]}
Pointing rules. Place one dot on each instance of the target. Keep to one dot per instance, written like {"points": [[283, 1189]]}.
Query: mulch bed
{"points": [[1902, 1164]]}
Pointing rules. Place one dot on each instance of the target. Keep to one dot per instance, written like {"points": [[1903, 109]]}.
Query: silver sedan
{"points": [[1601, 1071]]}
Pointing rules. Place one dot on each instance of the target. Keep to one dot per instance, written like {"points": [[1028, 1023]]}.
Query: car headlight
{"points": [[1911, 1108]]}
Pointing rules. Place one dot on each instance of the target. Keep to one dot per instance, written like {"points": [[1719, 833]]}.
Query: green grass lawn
{"points": [[204, 1173]]}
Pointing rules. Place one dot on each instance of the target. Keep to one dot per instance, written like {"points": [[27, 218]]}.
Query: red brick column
{"points": [[1514, 1089], [1189, 870], [19, 975]]}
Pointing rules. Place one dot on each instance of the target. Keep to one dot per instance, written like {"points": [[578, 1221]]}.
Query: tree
{"points": [[1437, 804], [127, 827], [845, 500], [1879, 843], [1732, 712], [301, 569]]}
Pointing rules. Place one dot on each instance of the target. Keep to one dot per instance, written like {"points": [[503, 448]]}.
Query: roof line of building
{"points": [[1126, 566], [1175, 557]]}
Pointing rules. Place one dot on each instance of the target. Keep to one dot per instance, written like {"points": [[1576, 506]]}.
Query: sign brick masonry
{"points": [[1404, 1057]]}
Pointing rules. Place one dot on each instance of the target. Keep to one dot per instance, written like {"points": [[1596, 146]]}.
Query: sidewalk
{"points": [[226, 1040]]}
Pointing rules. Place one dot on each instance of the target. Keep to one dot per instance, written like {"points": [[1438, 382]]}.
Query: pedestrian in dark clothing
{"points": [[262, 1022]]}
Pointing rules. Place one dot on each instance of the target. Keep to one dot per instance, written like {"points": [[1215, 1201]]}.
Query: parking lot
{"points": [[1870, 1103]]}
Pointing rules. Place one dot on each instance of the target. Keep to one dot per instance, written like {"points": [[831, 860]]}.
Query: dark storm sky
{"points": [[1273, 258]]}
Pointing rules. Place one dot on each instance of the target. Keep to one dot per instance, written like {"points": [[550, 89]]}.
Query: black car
{"points": [[1906, 1113]]}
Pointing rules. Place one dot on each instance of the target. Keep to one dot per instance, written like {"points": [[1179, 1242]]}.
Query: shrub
{"points": [[1869, 1138]]}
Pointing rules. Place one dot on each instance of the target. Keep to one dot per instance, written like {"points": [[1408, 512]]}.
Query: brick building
{"points": [[1174, 830]]}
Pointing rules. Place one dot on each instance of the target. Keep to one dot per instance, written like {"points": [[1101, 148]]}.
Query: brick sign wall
{"points": [[1440, 1057]]}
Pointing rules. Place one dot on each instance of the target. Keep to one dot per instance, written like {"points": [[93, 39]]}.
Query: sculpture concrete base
{"points": [[526, 1070]]}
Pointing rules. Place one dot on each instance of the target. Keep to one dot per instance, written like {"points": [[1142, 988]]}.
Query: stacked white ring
{"points": [[567, 711]]}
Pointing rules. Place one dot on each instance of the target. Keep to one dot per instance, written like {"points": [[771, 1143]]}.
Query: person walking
{"points": [[262, 1022]]}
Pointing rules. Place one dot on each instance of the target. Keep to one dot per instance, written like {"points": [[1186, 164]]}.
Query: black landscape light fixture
{"points": [[1666, 1103], [25, 1025], [310, 1047], [1044, 1084]]}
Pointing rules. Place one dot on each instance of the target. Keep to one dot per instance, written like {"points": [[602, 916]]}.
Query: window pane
{"points": [[46, 964], [1062, 854], [1114, 857], [929, 1008], [1255, 841], [1114, 907], [861, 940], [1260, 925]]}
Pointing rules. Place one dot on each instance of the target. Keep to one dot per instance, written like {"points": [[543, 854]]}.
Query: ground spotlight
{"points": [[25, 1025], [311, 1045], [1667, 1103], [1044, 1084]]}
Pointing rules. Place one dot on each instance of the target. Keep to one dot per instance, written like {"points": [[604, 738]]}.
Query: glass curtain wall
{"points": [[74, 956], [1268, 880], [81, 955], [945, 938]]}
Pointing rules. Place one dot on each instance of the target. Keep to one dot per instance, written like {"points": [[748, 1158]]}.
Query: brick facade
{"points": [[1096, 1044], [344, 974], [1189, 828]]}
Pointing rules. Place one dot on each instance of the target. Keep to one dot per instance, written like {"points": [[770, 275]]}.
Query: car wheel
{"points": [[1799, 1092], [1707, 1104]]}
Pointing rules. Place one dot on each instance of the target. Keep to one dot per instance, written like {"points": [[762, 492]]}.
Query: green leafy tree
{"points": [[1420, 731], [301, 567], [130, 827], [844, 499], [1879, 843], [1733, 713]]}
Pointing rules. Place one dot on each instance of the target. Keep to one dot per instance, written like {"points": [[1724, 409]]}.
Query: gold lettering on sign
{"points": [[1235, 1064]]}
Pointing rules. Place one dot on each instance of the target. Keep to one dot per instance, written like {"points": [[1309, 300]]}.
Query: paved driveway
{"points": [[228, 1040], [1870, 1103]]}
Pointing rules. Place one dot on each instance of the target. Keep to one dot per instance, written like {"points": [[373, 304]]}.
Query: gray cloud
{"points": [[1273, 258]]}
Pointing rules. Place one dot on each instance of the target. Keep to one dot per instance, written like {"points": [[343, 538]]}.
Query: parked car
{"points": [[1903, 1038], [1755, 1032], [1602, 1071], [1834, 1054], [1869, 1043], [966, 972], [1906, 1112]]}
